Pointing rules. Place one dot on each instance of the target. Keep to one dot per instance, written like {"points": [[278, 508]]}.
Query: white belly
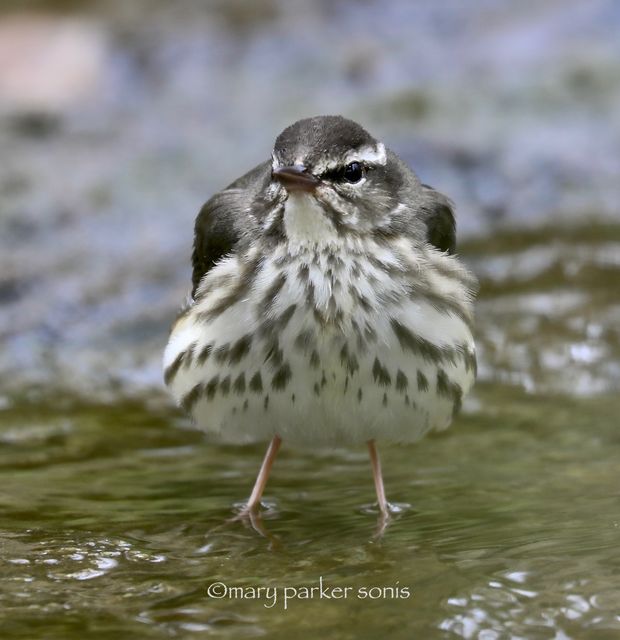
{"points": [[391, 369]]}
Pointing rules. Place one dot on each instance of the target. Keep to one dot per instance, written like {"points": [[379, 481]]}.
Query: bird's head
{"points": [[331, 174], [330, 178]]}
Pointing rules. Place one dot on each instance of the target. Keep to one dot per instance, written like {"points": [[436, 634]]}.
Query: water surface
{"points": [[116, 520]]}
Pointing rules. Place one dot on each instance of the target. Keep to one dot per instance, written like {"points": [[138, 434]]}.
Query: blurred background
{"points": [[117, 121]]}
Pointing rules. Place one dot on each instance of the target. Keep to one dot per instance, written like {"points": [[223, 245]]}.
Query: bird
{"points": [[328, 306]]}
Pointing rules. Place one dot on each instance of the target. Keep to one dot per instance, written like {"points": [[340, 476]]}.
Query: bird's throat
{"points": [[306, 224]]}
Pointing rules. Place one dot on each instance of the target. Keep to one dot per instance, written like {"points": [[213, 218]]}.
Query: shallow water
{"points": [[117, 512], [117, 515], [116, 519]]}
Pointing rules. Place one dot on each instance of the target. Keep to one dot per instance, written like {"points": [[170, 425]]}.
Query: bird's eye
{"points": [[353, 172]]}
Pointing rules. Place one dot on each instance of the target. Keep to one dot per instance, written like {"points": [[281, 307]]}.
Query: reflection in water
{"points": [[254, 520]]}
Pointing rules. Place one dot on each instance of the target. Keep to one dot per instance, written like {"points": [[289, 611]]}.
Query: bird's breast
{"points": [[325, 344]]}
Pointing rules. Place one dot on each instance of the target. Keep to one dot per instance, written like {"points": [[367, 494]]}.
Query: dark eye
{"points": [[353, 172]]}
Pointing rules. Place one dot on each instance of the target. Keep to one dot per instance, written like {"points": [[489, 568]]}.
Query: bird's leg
{"points": [[263, 475], [376, 472]]}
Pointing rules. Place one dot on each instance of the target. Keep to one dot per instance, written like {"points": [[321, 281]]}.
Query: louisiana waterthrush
{"points": [[327, 305]]}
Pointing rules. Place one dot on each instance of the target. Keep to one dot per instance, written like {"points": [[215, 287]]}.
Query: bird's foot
{"points": [[250, 515]]}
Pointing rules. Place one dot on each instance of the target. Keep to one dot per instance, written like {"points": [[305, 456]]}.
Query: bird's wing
{"points": [[424, 206], [438, 214], [223, 220]]}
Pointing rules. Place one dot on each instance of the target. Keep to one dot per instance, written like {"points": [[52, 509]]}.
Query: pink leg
{"points": [[263, 475], [376, 472]]}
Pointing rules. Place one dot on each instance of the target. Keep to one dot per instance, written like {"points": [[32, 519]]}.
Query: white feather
{"points": [[335, 414]]}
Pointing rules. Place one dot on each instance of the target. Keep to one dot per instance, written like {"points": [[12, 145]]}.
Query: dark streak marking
{"points": [[381, 374], [443, 384], [266, 402], [391, 269], [353, 364], [189, 355], [452, 271], [271, 293], [172, 370], [449, 389], [364, 303], [335, 261], [401, 381], [304, 273], [204, 354], [470, 361], [225, 386], [315, 361], [284, 319], [226, 302], [332, 307], [440, 303], [359, 394], [310, 300], [211, 387], [422, 381], [317, 389], [385, 399], [274, 353], [239, 384], [304, 340], [190, 399], [221, 353], [358, 333], [256, 383], [240, 349], [281, 377], [349, 360], [422, 347], [318, 317]]}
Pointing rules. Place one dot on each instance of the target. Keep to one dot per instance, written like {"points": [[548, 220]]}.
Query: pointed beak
{"points": [[296, 178]]}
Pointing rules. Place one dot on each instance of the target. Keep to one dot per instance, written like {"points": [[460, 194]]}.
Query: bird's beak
{"points": [[296, 178]]}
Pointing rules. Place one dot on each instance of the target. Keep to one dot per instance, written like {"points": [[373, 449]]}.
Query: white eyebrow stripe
{"points": [[371, 155]]}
